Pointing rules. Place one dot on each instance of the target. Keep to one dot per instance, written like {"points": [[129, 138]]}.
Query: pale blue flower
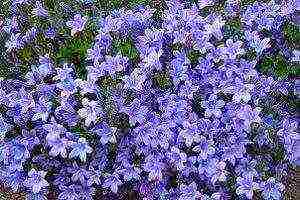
{"points": [[271, 189], [113, 182], [36, 180], [77, 24], [90, 112], [80, 149], [39, 10], [189, 192], [246, 185]]}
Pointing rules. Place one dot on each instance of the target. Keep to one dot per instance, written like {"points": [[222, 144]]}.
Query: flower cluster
{"points": [[153, 103]]}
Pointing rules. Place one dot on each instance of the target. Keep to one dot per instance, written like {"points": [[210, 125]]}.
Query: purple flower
{"points": [[86, 86], [179, 67], [204, 3], [15, 42], [152, 61], [79, 174], [21, 99], [4, 128], [136, 80], [205, 147], [190, 133], [77, 24], [106, 133], [54, 130], [42, 109], [113, 182], [80, 149], [178, 158], [154, 166], [213, 106], [58, 146], [214, 27], [136, 112], [90, 112], [256, 43], [249, 115], [189, 192], [50, 33], [68, 193], [46, 66], [39, 10], [115, 64], [271, 189], [233, 49], [36, 180], [246, 185]]}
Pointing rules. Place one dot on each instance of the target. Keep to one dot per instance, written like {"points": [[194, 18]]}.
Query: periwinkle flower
{"points": [[39, 10], [77, 24], [36, 180], [80, 149], [21, 99], [204, 3], [213, 106], [179, 67], [271, 189], [113, 182], [233, 49], [249, 115], [4, 128], [46, 66], [178, 158], [135, 80], [189, 192], [42, 109], [154, 166], [68, 193], [205, 147], [151, 60], [246, 185], [59, 146], [190, 133], [14, 43], [214, 27], [54, 130], [90, 112], [255, 42], [107, 133], [136, 112]]}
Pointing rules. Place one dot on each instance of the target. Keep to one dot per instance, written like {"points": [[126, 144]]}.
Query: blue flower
{"points": [[42, 109], [39, 10], [36, 180], [189, 192], [136, 112], [107, 133], [205, 147], [4, 128], [46, 66], [90, 112], [80, 149], [68, 193], [135, 80], [246, 185], [190, 133], [213, 106], [154, 166], [233, 49], [113, 182], [179, 67], [77, 24], [58, 146], [271, 189]]}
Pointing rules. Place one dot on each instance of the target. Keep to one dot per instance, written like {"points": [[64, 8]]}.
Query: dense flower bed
{"points": [[177, 100]]}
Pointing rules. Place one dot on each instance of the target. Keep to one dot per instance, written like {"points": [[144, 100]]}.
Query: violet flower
{"points": [[80, 149], [77, 24], [36, 180]]}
